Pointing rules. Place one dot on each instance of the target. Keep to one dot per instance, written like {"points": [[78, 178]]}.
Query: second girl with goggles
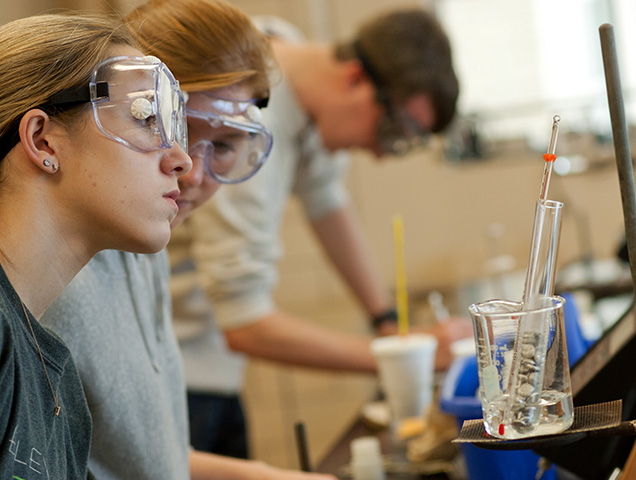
{"points": [[234, 144]]}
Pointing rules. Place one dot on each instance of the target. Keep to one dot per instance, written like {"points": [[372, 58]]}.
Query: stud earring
{"points": [[47, 163]]}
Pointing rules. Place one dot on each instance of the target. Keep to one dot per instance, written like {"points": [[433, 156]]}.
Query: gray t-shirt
{"points": [[37, 444], [115, 317]]}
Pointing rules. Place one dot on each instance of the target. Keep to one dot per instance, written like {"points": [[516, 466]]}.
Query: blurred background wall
{"points": [[519, 64], [466, 198]]}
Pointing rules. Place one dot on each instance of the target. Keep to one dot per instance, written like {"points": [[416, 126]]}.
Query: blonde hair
{"points": [[44, 54], [208, 44]]}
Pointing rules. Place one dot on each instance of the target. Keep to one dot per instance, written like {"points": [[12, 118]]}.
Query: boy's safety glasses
{"points": [[397, 132]]}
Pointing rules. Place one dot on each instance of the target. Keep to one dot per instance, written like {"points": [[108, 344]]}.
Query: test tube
{"points": [[531, 345], [541, 273]]}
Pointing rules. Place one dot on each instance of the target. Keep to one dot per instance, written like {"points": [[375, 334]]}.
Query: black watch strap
{"points": [[388, 316]]}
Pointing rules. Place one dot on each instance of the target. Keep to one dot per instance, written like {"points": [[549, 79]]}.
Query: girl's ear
{"points": [[34, 129]]}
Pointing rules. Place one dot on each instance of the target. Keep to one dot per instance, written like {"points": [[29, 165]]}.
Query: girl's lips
{"points": [[172, 197], [174, 194]]}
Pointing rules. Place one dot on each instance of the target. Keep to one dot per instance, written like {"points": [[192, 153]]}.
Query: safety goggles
{"points": [[397, 132], [136, 102], [234, 143]]}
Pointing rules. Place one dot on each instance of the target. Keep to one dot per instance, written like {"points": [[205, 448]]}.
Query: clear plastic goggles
{"points": [[136, 102], [398, 133], [234, 143]]}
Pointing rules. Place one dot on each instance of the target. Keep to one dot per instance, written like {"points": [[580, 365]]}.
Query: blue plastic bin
{"points": [[576, 342]]}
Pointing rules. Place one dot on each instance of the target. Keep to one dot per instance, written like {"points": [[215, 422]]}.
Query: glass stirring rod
{"points": [[546, 229]]}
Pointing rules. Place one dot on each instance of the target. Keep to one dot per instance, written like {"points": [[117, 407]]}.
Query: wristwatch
{"points": [[387, 316]]}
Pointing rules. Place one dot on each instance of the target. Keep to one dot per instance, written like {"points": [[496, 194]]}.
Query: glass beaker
{"points": [[531, 408]]}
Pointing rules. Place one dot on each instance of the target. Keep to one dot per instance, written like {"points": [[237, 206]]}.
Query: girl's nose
{"points": [[176, 161]]}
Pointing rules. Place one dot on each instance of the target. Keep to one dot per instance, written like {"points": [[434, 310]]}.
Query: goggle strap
{"points": [[373, 74], [65, 98], [77, 95]]}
